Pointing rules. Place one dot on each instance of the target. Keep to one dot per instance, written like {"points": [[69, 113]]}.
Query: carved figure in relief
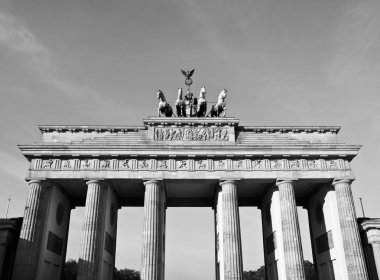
{"points": [[276, 164], [66, 164], [201, 164], [239, 164], [220, 108], [202, 104], [180, 105], [220, 164], [163, 164], [313, 164], [182, 164], [294, 164], [47, 163], [125, 163], [144, 164], [164, 109], [258, 164], [333, 164], [106, 164], [87, 163]]}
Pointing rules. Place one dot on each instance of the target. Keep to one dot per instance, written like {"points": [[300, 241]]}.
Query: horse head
{"points": [[222, 95], [202, 93], [161, 96]]}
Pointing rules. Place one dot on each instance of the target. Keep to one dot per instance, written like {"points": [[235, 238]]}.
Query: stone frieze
{"points": [[191, 134], [187, 164]]}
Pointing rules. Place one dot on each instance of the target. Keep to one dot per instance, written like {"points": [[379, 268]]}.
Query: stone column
{"points": [[89, 265], [153, 249], [353, 250], [373, 236], [32, 231], [228, 233], [290, 231]]}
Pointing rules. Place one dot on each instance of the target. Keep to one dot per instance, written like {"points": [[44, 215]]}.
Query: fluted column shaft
{"points": [[27, 255], [293, 255], [153, 256], [353, 250], [233, 260], [92, 231]]}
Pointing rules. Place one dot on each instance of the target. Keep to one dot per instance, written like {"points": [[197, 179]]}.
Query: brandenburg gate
{"points": [[195, 161]]}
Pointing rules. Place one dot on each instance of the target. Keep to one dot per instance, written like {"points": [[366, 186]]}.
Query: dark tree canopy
{"points": [[70, 272]]}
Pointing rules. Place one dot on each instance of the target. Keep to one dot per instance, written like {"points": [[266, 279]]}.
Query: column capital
{"points": [[342, 181], [285, 181], [37, 181], [95, 181], [152, 181], [228, 181]]}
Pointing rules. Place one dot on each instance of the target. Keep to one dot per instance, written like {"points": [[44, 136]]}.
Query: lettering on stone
{"points": [[125, 164], [191, 134], [324, 242], [54, 244], [47, 164], [105, 164]]}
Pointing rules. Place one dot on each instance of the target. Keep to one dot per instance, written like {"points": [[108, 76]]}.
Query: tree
{"points": [[71, 266], [259, 274]]}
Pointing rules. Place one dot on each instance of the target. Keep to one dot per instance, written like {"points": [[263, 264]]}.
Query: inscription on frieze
{"points": [[191, 134]]}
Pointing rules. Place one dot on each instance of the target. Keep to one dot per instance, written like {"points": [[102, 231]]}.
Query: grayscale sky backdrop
{"points": [[284, 62]]}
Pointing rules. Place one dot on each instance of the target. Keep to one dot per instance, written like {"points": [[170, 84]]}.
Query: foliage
{"points": [[70, 272], [259, 274]]}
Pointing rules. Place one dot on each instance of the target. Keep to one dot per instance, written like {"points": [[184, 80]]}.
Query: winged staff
{"points": [[189, 106]]}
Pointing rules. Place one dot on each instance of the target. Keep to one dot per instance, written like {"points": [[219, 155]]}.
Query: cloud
{"points": [[357, 43], [37, 59]]}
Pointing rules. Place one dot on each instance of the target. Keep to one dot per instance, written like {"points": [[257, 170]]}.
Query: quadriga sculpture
{"points": [[180, 105], [202, 104], [220, 108], [164, 109]]}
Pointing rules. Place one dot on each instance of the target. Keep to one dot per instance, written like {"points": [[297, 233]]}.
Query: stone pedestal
{"points": [[370, 229], [153, 249], [229, 259], [353, 251], [97, 252]]}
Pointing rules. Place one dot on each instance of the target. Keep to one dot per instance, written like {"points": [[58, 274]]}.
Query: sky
{"points": [[284, 62]]}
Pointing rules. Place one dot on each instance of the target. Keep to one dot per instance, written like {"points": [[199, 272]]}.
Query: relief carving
{"points": [[220, 164], [182, 164], [239, 164], [66, 164], [144, 164], [86, 163], [200, 164], [105, 164], [258, 164], [333, 164], [163, 164], [276, 164], [125, 164], [191, 134], [294, 164], [47, 163], [313, 164]]}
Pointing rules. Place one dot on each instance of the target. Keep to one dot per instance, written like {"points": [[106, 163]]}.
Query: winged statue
{"points": [[188, 74]]}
